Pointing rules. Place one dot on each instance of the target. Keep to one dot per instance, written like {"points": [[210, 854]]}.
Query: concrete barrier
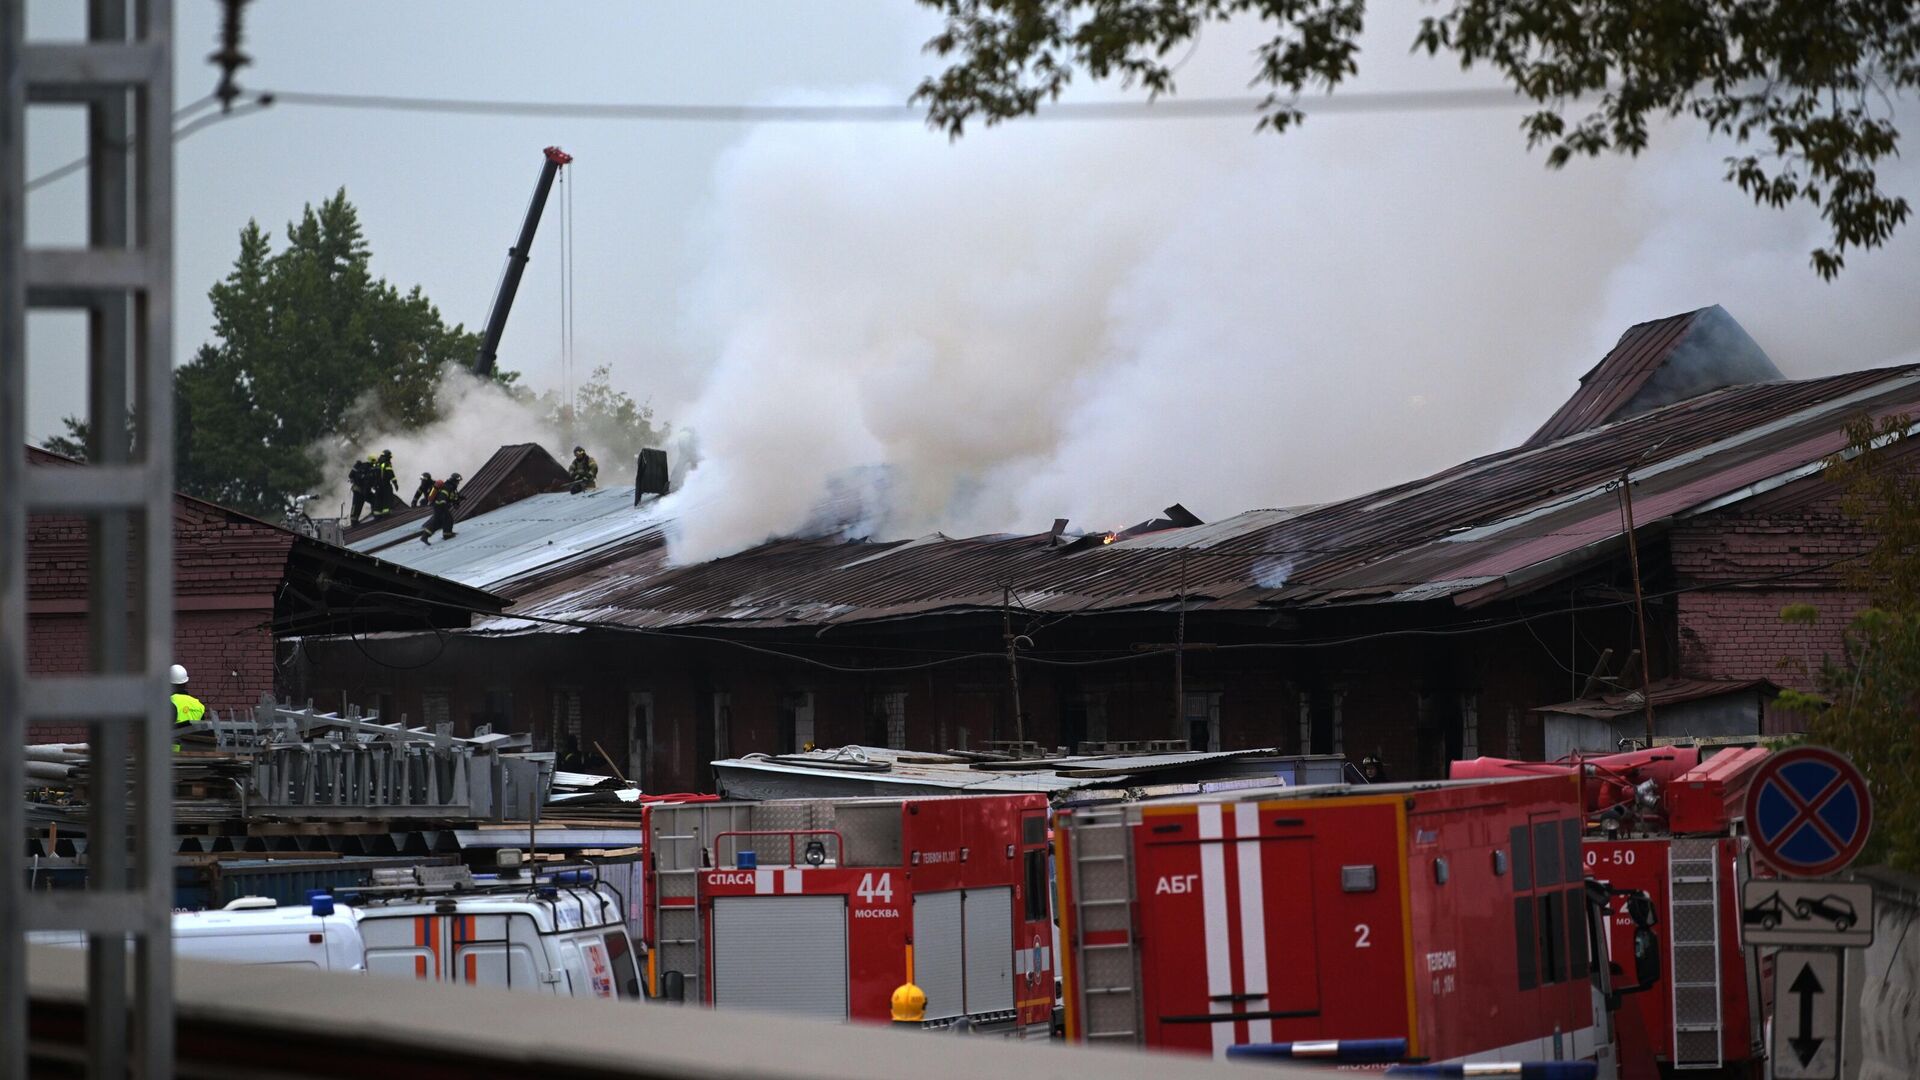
{"points": [[1883, 984]]}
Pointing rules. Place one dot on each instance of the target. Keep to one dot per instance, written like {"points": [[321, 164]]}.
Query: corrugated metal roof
{"points": [[1617, 377], [1665, 692], [513, 472], [522, 538], [1471, 532], [884, 767]]}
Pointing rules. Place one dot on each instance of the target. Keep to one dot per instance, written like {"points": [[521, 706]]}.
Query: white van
{"points": [[567, 940], [563, 939], [253, 930]]}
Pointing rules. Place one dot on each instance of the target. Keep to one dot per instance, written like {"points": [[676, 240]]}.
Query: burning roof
{"points": [[1493, 527], [1490, 527]]}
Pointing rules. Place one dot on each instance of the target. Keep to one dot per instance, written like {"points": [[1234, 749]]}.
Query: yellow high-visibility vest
{"points": [[187, 709]]}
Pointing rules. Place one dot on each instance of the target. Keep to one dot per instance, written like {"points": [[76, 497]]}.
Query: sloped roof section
{"points": [[490, 551], [1660, 362], [514, 472], [1492, 527]]}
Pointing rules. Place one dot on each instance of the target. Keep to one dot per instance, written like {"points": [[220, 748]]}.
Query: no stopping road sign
{"points": [[1808, 812]]}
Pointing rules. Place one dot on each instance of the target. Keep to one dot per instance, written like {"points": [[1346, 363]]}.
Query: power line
{"points": [[180, 134], [1170, 108]]}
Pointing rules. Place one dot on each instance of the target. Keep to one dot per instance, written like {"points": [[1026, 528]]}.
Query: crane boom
{"points": [[517, 263]]}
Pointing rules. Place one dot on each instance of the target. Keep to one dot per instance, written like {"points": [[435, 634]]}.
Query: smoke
{"points": [[1092, 321], [1272, 573], [1716, 352], [477, 417]]}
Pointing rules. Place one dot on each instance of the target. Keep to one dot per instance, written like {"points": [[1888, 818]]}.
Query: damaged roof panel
{"points": [[1502, 522]]}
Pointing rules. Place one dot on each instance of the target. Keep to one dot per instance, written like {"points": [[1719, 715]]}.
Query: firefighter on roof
{"points": [[187, 709], [424, 492], [441, 500], [360, 478], [584, 474], [386, 487]]}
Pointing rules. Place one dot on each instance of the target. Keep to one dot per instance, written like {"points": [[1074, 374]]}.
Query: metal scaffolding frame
{"points": [[123, 74]]}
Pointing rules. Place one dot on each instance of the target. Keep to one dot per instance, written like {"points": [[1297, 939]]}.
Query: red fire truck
{"points": [[1663, 821], [1449, 922], [825, 907]]}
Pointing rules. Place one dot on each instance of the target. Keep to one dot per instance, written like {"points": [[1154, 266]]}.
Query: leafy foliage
{"points": [[309, 347], [74, 443], [1803, 88], [1869, 698], [608, 422]]}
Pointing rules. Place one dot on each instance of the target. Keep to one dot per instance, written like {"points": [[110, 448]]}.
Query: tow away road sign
{"points": [[1808, 811], [1806, 1016], [1834, 914]]}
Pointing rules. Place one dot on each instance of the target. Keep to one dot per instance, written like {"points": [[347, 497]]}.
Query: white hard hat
{"points": [[178, 675]]}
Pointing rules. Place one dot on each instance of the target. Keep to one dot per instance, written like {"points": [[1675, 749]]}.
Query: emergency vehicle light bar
{"points": [[1325, 1049], [1525, 1070]]}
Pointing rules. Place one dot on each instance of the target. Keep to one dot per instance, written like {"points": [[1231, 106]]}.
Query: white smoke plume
{"points": [[477, 418], [1094, 321]]}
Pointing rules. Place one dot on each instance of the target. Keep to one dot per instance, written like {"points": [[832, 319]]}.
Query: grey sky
{"points": [[1062, 318], [441, 196]]}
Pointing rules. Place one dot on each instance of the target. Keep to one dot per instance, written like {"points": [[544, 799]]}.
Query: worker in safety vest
{"points": [[424, 492], [187, 709], [584, 474]]}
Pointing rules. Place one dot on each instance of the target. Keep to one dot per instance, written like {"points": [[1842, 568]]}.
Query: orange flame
{"points": [[1109, 538]]}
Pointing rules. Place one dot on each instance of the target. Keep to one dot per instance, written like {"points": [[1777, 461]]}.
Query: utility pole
{"points": [[1180, 663], [1013, 665], [1639, 601]]}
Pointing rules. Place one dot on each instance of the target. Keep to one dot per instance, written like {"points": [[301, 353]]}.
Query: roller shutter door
{"points": [[989, 950], [781, 954], [937, 957]]}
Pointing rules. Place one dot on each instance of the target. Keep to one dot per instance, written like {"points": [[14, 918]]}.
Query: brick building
{"points": [[238, 582], [1422, 623]]}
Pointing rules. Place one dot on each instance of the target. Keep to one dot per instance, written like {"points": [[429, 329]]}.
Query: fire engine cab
{"points": [[1664, 821], [1444, 922], [825, 907]]}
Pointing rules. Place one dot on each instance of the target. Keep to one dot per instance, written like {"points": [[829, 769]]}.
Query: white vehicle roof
{"points": [[260, 920], [553, 908]]}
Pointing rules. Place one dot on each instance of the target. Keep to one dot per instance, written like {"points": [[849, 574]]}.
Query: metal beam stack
{"points": [[122, 279]]}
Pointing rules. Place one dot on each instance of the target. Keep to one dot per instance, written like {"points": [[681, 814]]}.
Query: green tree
{"points": [[1868, 701], [608, 422], [74, 443], [1804, 89], [309, 348]]}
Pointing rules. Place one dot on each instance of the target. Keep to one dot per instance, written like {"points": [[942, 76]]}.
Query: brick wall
{"points": [[1729, 624], [227, 569]]}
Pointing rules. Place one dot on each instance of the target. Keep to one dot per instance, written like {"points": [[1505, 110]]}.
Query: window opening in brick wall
{"points": [[887, 718], [436, 707], [1322, 727], [496, 711], [1084, 720], [796, 721], [564, 734], [1202, 709], [722, 725], [1469, 726], [640, 737]]}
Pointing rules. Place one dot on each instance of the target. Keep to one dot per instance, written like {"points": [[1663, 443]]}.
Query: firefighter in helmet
{"points": [[423, 492], [441, 500], [1373, 769], [584, 473]]}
